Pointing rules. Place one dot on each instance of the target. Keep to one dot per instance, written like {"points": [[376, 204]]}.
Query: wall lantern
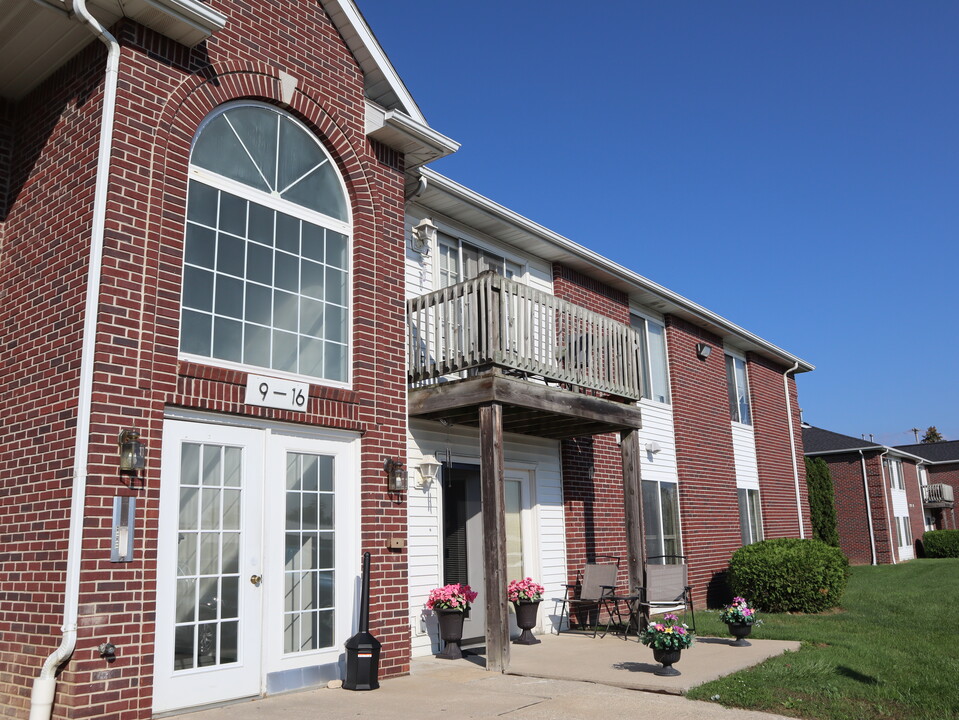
{"points": [[132, 451], [703, 350], [423, 236], [429, 469], [396, 478]]}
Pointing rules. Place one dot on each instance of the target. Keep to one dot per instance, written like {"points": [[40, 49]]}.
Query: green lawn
{"points": [[890, 652]]}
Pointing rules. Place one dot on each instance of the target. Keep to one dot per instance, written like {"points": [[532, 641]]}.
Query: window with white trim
{"points": [[894, 472], [903, 531], [266, 263], [661, 519], [738, 388], [652, 340], [459, 260], [750, 515]]}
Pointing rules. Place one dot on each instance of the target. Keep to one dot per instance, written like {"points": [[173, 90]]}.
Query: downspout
{"points": [[893, 549], [865, 487], [44, 685], [792, 448]]}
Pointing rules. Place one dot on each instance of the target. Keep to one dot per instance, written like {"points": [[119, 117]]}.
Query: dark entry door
{"points": [[463, 540]]}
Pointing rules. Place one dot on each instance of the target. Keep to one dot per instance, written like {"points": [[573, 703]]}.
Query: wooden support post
{"points": [[633, 500], [494, 536]]}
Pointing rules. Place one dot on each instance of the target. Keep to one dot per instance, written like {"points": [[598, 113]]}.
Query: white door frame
{"points": [[265, 666]]}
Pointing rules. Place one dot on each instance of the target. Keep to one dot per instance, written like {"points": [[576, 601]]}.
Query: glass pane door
{"points": [[208, 556], [309, 598], [209, 600]]}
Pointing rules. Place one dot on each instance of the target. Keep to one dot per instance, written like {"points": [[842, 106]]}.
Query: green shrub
{"points": [[822, 501], [789, 575], [941, 543]]}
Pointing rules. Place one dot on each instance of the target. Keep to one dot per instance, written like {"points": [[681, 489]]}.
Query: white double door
{"points": [[257, 567]]}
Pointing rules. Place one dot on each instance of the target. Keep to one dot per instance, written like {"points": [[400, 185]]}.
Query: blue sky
{"points": [[791, 166]]}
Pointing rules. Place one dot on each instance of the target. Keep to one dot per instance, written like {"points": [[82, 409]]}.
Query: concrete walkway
{"points": [[563, 678]]}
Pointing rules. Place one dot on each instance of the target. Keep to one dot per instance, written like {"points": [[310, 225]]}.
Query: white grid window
{"points": [[266, 257]]}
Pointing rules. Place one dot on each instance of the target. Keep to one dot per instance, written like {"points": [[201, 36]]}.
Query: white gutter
{"points": [[893, 549], [792, 448], [865, 487], [44, 685]]}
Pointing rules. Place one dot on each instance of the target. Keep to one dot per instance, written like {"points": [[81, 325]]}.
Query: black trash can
{"points": [[363, 650], [362, 662]]}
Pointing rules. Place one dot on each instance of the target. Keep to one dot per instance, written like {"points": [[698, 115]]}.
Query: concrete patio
{"points": [[565, 676]]}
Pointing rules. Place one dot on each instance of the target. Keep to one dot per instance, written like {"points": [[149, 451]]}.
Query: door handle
{"points": [[256, 579]]}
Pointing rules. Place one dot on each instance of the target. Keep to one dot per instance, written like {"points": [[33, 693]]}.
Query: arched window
{"points": [[266, 262]]}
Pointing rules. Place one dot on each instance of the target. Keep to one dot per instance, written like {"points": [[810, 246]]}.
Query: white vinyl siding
{"points": [[538, 456], [900, 507], [747, 482], [659, 469]]}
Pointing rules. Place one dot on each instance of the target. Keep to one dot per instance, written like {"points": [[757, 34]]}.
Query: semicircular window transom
{"points": [[272, 153]]}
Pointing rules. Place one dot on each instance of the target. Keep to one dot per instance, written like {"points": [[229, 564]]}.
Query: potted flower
{"points": [[526, 595], [739, 618], [667, 640], [451, 603]]}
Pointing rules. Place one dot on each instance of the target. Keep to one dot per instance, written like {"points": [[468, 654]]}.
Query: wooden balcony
{"points": [[938, 495], [558, 370]]}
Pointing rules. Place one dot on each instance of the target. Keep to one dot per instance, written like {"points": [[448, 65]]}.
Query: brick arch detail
{"points": [[192, 101]]}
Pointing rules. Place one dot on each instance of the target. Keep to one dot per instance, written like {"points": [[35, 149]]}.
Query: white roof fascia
{"points": [[873, 448], [202, 17], [419, 143], [356, 31], [435, 180], [192, 21]]}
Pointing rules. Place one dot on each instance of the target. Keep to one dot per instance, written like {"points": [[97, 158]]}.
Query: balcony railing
{"points": [[492, 321], [938, 494]]}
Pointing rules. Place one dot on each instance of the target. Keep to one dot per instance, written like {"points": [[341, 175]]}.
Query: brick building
{"points": [[879, 491], [939, 476], [211, 218]]}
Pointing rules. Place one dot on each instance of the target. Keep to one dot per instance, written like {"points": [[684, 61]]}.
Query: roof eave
{"points": [[419, 143], [672, 303], [382, 83]]}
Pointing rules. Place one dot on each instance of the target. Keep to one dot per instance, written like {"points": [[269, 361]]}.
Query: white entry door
{"points": [[256, 567]]}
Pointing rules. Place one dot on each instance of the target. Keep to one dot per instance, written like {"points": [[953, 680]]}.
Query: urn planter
{"points": [[526, 615], [451, 632], [666, 658], [740, 631]]}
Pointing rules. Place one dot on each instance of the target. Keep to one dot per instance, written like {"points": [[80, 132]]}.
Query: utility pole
{"points": [[915, 431]]}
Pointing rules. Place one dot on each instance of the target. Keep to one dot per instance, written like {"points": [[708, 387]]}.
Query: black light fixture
{"points": [[396, 477], [703, 350], [132, 451]]}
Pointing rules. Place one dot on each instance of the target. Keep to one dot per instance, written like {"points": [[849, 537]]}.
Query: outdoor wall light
{"points": [[423, 236], [429, 469], [396, 478], [653, 447], [703, 350], [132, 451]]}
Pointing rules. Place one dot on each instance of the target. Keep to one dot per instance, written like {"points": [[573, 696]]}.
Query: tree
{"points": [[822, 501], [932, 435]]}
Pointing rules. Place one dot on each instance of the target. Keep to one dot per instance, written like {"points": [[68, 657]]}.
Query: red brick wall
{"points": [[852, 518], [165, 91], [777, 483], [592, 466], [704, 458], [43, 275]]}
